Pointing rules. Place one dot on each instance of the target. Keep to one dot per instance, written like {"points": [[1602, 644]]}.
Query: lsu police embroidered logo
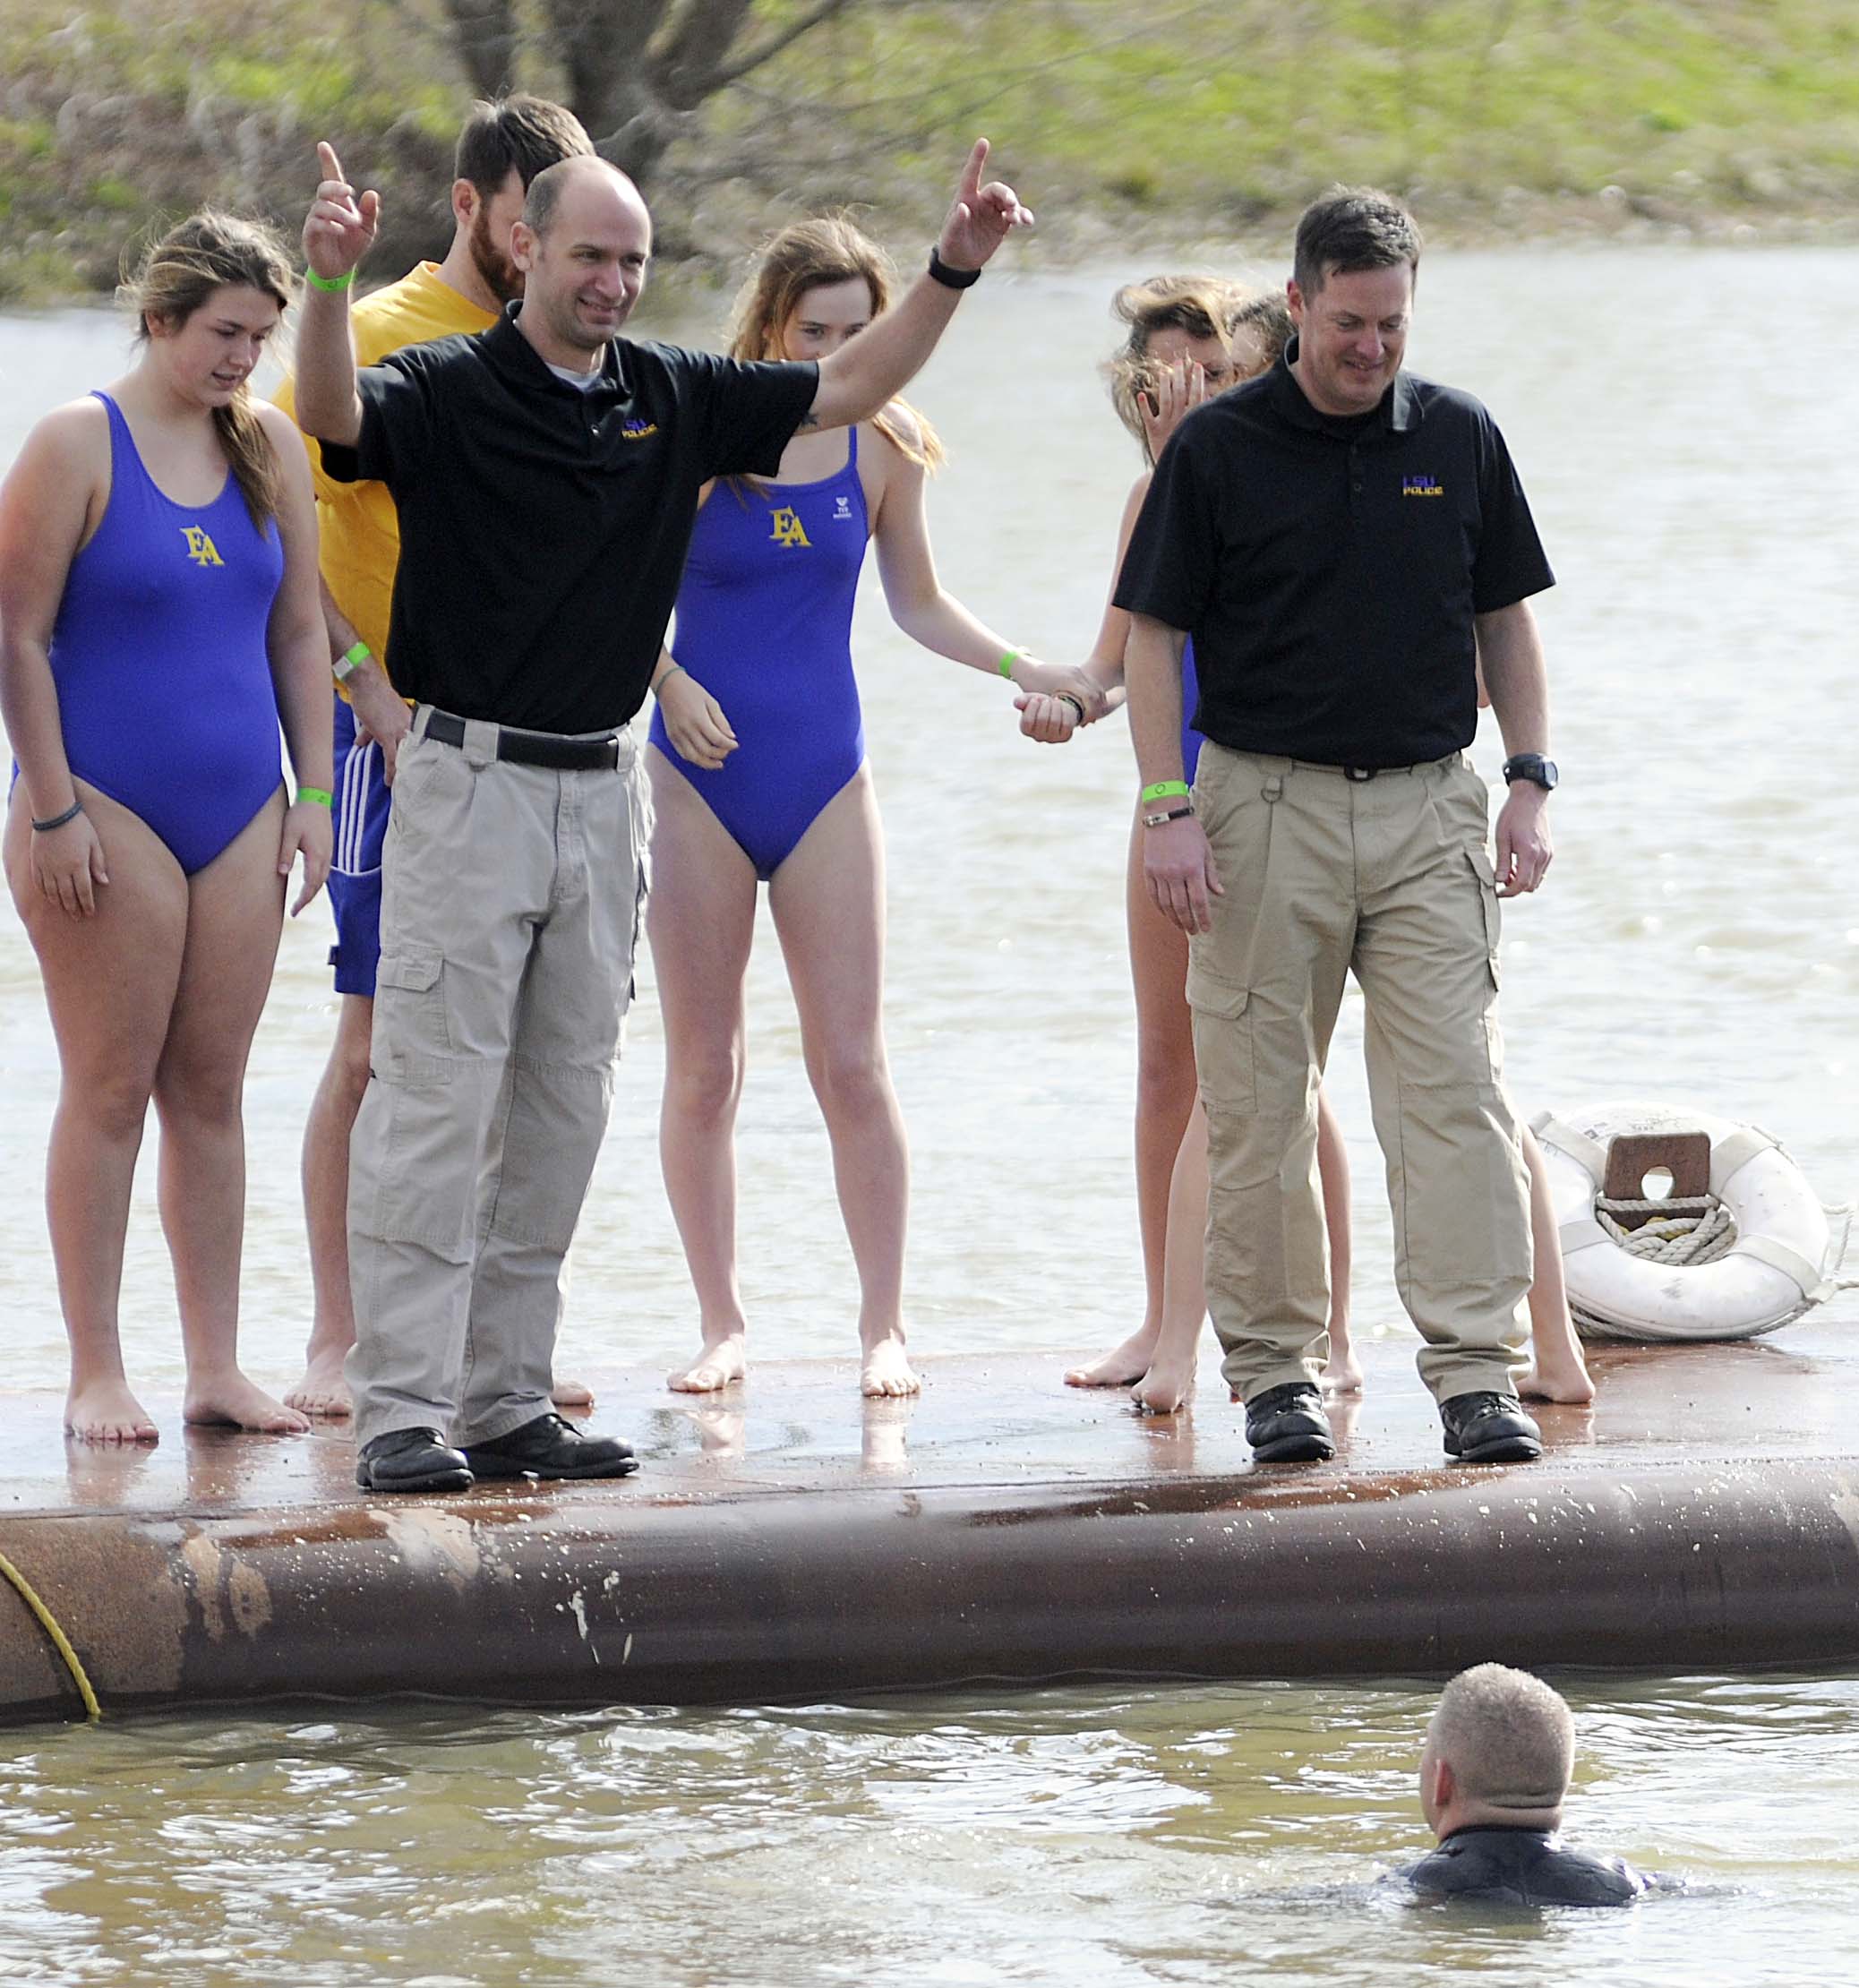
{"points": [[1422, 486], [788, 529], [637, 430], [200, 549]]}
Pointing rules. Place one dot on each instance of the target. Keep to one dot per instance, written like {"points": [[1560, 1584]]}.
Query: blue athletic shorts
{"points": [[354, 876]]}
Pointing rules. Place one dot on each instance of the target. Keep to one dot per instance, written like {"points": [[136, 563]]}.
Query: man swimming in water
{"points": [[1493, 1775]]}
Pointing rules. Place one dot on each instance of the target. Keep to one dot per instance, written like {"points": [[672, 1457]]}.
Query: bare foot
{"points": [[572, 1394], [106, 1411], [1343, 1371], [1167, 1386], [1563, 1385], [231, 1399], [1122, 1366], [887, 1369], [323, 1391], [716, 1367]]}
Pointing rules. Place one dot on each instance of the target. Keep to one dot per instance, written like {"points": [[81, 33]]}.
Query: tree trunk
{"points": [[485, 33]]}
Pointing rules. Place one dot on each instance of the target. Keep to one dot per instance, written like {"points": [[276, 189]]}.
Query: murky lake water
{"points": [[1683, 422]]}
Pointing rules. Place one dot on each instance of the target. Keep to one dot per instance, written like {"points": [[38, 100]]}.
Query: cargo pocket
{"points": [[412, 1042], [1223, 1045]]}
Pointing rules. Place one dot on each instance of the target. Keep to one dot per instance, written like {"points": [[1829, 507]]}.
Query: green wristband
{"points": [[1007, 662], [350, 661], [1166, 789], [318, 282], [317, 795]]}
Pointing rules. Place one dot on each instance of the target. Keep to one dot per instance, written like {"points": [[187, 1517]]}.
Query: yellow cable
{"points": [[61, 1643]]}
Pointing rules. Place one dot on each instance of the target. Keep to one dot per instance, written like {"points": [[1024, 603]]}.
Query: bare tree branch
{"points": [[733, 72]]}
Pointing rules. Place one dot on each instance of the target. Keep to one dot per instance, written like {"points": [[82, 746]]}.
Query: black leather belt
{"points": [[534, 749]]}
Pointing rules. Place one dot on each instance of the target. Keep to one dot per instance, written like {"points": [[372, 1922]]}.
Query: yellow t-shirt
{"points": [[359, 528]]}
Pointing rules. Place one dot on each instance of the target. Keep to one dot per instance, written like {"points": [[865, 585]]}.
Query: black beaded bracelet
{"points": [[949, 278], [58, 821]]}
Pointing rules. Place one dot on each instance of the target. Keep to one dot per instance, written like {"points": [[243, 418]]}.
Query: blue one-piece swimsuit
{"points": [[765, 625], [1191, 740], [160, 656]]}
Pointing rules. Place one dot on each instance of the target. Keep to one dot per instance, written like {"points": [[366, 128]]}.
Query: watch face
{"points": [[1532, 766]]}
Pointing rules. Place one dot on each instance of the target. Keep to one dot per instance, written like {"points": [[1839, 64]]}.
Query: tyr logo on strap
{"points": [[200, 549], [788, 530]]}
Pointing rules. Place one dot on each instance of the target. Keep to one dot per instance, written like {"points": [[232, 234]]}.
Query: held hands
{"points": [[308, 832], [1174, 391], [68, 865], [1048, 719], [983, 217], [339, 229], [1524, 853], [1178, 865], [694, 721]]}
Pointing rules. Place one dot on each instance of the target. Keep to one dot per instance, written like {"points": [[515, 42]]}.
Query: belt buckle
{"points": [[1360, 774]]}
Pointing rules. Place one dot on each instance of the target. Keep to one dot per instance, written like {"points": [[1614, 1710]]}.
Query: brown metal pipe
{"points": [[606, 1595]]}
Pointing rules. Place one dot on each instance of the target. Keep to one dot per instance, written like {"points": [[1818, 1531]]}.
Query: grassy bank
{"points": [[1491, 115]]}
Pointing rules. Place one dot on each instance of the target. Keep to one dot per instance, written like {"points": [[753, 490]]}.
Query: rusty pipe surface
{"points": [[580, 1596]]}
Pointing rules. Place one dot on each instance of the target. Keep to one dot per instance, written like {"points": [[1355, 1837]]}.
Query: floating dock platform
{"points": [[787, 1540]]}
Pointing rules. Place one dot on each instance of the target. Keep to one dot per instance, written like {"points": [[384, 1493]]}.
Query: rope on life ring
{"points": [[1687, 1231]]}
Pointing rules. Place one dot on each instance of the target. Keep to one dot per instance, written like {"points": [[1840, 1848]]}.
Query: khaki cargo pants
{"points": [[509, 911], [1391, 878]]}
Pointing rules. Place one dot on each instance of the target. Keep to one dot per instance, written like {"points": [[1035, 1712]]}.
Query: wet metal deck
{"points": [[787, 1540]]}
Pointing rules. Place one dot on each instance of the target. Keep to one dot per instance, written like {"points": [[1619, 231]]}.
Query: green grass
{"points": [[1221, 117]]}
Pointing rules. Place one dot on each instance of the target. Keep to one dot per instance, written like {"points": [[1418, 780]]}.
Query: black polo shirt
{"points": [[543, 528], [1328, 569]]}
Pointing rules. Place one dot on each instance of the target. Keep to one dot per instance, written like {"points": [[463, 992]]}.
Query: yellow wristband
{"points": [[1166, 789], [1007, 662], [327, 282], [316, 795]]}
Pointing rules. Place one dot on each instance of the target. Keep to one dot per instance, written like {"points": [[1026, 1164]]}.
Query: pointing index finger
{"points": [[326, 158], [971, 173]]}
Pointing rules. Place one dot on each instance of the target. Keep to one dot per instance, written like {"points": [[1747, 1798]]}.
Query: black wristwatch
{"points": [[1531, 767], [949, 275]]}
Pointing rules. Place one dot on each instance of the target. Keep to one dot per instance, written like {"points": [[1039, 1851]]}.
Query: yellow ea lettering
{"points": [[788, 529], [200, 549]]}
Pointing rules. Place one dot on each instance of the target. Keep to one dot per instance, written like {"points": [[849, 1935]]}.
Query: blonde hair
{"points": [[805, 256], [1202, 306], [208, 252], [1508, 1737]]}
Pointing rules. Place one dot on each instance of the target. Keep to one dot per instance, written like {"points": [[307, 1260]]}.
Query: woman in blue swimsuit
{"points": [[759, 774], [159, 613]]}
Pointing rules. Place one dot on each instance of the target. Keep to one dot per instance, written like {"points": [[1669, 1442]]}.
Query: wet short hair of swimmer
{"points": [[1509, 1739], [1350, 228]]}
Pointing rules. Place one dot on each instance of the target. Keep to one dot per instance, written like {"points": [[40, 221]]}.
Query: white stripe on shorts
{"points": [[357, 779]]}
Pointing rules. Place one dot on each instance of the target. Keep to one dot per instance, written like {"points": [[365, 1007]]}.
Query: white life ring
{"points": [[1780, 1265]]}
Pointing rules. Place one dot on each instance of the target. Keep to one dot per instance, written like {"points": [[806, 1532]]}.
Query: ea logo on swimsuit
{"points": [[200, 549], [788, 529]]}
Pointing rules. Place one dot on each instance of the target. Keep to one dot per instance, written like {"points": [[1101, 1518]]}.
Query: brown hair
{"points": [[208, 252], [802, 256], [520, 135], [1202, 306], [1353, 227]]}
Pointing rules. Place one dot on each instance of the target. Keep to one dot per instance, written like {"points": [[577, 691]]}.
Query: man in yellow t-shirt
{"points": [[501, 148]]}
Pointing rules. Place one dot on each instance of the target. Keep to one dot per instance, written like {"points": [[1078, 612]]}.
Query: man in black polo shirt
{"points": [[545, 473], [1343, 541]]}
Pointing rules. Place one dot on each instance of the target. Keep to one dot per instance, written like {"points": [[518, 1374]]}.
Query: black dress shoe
{"points": [[551, 1447], [412, 1460], [1489, 1428], [1287, 1425]]}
